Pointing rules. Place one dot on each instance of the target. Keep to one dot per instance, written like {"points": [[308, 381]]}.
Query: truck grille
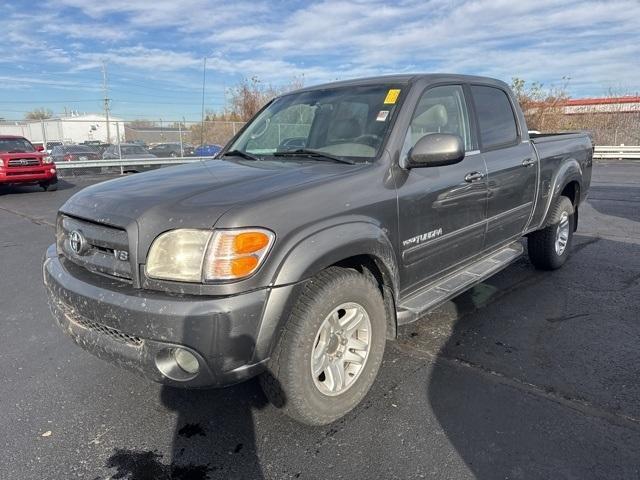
{"points": [[97, 247], [23, 162], [111, 332]]}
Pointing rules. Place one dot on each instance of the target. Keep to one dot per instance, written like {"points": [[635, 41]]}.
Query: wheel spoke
{"points": [[335, 375], [357, 344], [352, 357], [320, 364], [351, 320], [334, 320]]}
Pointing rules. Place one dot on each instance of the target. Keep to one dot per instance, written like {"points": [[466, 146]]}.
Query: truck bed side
{"points": [[565, 162]]}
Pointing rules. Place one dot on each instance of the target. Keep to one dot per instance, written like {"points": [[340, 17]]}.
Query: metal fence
{"points": [[130, 165]]}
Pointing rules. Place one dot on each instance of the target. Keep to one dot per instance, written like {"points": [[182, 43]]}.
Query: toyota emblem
{"points": [[77, 242]]}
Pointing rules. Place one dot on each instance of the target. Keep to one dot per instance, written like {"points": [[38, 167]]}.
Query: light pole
{"points": [[204, 77]]}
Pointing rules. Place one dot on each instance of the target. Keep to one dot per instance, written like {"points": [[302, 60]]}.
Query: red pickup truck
{"points": [[22, 163]]}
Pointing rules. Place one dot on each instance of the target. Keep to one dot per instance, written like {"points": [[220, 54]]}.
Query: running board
{"points": [[419, 303]]}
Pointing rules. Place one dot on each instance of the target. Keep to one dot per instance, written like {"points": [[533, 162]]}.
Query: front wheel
{"points": [[49, 186], [330, 350], [550, 247]]}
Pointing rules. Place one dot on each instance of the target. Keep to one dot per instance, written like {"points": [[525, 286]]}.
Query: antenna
{"points": [[105, 89]]}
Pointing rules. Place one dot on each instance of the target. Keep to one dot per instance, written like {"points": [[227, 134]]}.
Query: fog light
{"points": [[186, 360]]}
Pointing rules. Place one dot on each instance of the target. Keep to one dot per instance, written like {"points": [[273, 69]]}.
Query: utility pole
{"points": [[204, 77], [105, 89]]}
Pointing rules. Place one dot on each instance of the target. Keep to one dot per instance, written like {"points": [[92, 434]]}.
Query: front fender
{"points": [[333, 244], [314, 253]]}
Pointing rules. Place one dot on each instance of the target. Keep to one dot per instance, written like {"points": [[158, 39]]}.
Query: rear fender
{"points": [[569, 171]]}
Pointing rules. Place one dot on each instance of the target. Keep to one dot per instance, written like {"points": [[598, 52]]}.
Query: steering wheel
{"points": [[370, 139]]}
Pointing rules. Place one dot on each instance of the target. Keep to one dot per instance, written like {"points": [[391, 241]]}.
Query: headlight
{"points": [[205, 255], [47, 159]]}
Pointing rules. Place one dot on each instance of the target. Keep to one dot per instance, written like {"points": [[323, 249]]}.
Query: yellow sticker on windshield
{"points": [[392, 96]]}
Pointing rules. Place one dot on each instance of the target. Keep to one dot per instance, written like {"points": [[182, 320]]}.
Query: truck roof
{"points": [[405, 79]]}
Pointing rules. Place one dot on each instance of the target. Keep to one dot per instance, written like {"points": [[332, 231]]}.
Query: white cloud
{"points": [[593, 42]]}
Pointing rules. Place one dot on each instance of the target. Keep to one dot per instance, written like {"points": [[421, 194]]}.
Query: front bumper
{"points": [[137, 329], [40, 174]]}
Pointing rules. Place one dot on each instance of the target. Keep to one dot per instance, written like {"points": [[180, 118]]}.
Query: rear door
{"points": [[511, 164], [441, 209]]}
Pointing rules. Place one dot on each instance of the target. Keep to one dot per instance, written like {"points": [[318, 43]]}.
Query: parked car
{"points": [[126, 150], [208, 150], [298, 263], [71, 153], [51, 145], [22, 163], [165, 150]]}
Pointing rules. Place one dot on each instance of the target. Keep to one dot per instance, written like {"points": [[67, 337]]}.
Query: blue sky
{"points": [[52, 51]]}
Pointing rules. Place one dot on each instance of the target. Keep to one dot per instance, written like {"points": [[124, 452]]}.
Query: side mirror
{"points": [[436, 150], [39, 148]]}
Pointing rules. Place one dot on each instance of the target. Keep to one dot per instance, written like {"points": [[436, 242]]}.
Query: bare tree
{"points": [[543, 107], [245, 100], [142, 123], [38, 114]]}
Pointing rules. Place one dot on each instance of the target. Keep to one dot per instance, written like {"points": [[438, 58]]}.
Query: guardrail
{"points": [[125, 165], [602, 152], [613, 152]]}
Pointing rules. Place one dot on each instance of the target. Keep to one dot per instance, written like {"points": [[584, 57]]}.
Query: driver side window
{"points": [[440, 110]]}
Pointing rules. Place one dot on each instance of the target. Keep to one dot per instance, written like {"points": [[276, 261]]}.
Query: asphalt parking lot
{"points": [[529, 375]]}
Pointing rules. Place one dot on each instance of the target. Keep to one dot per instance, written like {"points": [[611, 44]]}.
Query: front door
{"points": [[511, 165], [441, 209]]}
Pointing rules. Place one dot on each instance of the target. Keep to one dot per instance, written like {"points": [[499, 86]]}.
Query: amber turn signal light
{"points": [[250, 242]]}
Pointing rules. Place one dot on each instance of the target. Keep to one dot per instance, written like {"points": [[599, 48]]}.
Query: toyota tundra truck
{"points": [[336, 215], [22, 163]]}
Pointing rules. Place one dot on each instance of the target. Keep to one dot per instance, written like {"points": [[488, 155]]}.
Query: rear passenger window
{"points": [[495, 116]]}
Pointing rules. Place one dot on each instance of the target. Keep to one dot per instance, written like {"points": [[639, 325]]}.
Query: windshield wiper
{"points": [[240, 153], [314, 154]]}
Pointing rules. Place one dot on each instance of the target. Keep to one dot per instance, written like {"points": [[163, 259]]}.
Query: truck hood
{"points": [[193, 195]]}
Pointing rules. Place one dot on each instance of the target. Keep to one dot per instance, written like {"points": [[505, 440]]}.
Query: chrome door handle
{"points": [[473, 177], [527, 162]]}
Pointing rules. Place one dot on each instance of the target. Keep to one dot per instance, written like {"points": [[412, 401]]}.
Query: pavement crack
{"points": [[37, 221], [567, 317]]}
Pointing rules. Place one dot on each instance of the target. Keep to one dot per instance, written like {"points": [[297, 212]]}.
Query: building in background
{"points": [[154, 134], [68, 129]]}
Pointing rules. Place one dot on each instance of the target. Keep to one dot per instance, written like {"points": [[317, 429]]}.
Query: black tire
{"points": [[49, 187], [289, 383], [541, 244]]}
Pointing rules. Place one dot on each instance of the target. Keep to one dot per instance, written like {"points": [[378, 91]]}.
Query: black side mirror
{"points": [[436, 150]]}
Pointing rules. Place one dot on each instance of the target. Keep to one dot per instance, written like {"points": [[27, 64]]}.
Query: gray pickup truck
{"points": [[337, 214]]}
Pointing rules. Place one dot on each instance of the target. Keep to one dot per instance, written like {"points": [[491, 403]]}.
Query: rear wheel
{"points": [[550, 247], [330, 350]]}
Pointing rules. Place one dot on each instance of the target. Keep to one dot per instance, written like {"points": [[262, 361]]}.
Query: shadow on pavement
{"points": [[620, 202], [214, 437], [534, 384], [6, 189]]}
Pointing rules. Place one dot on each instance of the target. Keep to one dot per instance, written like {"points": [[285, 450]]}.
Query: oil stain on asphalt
{"points": [[141, 465]]}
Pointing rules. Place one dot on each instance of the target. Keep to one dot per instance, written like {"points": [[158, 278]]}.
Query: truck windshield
{"points": [[348, 122], [17, 145]]}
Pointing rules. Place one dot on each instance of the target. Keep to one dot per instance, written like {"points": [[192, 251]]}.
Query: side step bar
{"points": [[435, 294]]}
